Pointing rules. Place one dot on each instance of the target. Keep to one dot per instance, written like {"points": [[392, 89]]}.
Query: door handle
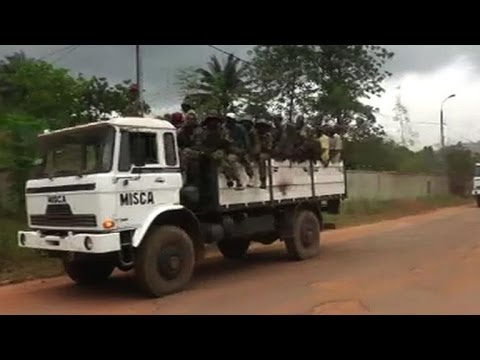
{"points": [[160, 180]]}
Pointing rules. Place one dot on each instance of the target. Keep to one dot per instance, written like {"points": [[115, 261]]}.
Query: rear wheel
{"points": [[233, 249], [165, 261], [305, 240], [85, 272]]}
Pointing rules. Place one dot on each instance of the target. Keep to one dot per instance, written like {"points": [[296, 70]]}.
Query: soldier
{"points": [[310, 149], [300, 136], [214, 142], [263, 128], [186, 141], [240, 145], [253, 141], [336, 144], [324, 142], [285, 149], [186, 107], [177, 119], [277, 130]]}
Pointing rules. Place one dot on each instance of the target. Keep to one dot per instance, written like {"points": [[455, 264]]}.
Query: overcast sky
{"points": [[427, 74]]}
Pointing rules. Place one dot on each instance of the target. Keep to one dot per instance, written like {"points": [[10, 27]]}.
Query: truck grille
{"points": [[64, 220], [61, 216]]}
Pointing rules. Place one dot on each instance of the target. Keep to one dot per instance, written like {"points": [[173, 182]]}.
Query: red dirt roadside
{"points": [[424, 264]]}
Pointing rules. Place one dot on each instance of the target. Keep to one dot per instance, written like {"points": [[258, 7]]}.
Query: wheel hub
{"points": [[169, 263], [308, 234]]}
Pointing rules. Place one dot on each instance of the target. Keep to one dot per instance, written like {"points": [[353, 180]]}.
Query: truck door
{"points": [[148, 174]]}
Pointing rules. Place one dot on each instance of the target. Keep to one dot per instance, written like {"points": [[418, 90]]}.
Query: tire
{"points": [[305, 242], [164, 261], [88, 272], [233, 249], [478, 201]]}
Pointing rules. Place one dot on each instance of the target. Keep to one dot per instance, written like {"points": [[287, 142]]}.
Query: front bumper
{"points": [[100, 243], [476, 192]]}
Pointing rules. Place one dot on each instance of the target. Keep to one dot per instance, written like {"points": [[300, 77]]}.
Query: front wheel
{"points": [[305, 242], [165, 261], [85, 272]]}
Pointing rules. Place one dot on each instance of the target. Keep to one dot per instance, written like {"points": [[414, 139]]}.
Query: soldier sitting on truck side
{"points": [[300, 137], [336, 144], [213, 142], [240, 146], [285, 148], [310, 148], [189, 158], [324, 142], [263, 128], [277, 130]]}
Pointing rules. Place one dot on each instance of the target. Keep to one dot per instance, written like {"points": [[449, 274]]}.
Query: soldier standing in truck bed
{"points": [[263, 128], [240, 146], [213, 142], [189, 157], [277, 129]]}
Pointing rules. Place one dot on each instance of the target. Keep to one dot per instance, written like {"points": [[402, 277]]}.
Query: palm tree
{"points": [[216, 87]]}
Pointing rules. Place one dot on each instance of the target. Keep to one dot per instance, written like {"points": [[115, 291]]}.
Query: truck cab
{"points": [[476, 184], [112, 195]]}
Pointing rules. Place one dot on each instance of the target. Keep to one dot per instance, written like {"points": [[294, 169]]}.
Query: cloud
{"points": [[427, 73], [422, 94]]}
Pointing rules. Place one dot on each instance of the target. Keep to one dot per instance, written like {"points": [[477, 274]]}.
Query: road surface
{"points": [[426, 264]]}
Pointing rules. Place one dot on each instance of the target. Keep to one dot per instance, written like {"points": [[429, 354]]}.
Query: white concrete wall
{"points": [[389, 185]]}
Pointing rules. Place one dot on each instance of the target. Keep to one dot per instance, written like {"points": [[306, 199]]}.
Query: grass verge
{"points": [[364, 211], [18, 264]]}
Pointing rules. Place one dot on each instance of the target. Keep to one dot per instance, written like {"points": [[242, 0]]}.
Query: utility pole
{"points": [[442, 133], [138, 66]]}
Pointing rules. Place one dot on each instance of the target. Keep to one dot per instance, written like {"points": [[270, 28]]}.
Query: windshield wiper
{"points": [[47, 175], [64, 172]]}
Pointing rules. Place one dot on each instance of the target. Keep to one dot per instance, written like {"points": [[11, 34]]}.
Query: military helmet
{"points": [[231, 115], [246, 118], [263, 121]]}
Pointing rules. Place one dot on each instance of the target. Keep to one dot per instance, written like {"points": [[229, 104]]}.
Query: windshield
{"points": [[77, 152]]}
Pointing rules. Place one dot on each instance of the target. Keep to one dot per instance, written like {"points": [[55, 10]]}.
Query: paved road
{"points": [[426, 264]]}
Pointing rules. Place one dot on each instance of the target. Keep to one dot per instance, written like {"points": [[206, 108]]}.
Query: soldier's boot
{"points": [[250, 174], [239, 186], [263, 183], [230, 183]]}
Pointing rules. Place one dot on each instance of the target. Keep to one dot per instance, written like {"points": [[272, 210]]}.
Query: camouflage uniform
{"points": [[240, 147], [215, 143], [310, 148], [300, 139], [265, 146], [285, 149], [278, 132], [336, 145], [324, 142], [189, 157]]}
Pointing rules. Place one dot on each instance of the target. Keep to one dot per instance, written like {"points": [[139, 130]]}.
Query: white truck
{"points": [[476, 184], [112, 195]]}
